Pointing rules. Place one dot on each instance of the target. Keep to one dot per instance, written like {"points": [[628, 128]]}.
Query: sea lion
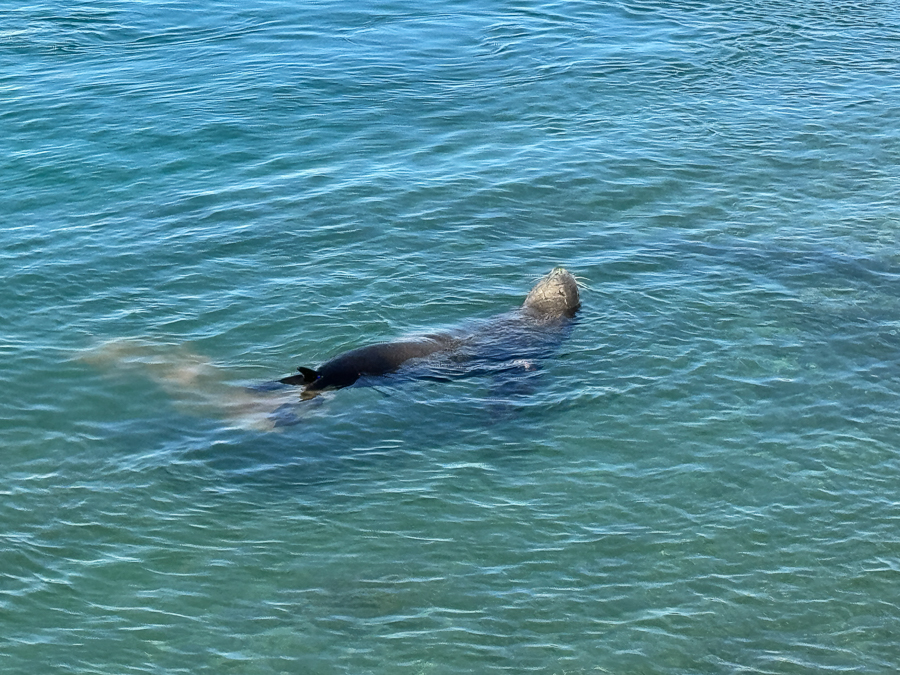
{"points": [[510, 340]]}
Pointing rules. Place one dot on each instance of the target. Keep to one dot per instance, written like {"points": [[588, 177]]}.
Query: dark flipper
{"points": [[271, 385], [285, 416], [306, 376]]}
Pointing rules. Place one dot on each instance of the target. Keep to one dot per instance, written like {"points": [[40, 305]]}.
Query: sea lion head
{"points": [[554, 296]]}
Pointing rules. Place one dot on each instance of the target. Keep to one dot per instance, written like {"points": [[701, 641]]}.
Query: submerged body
{"points": [[509, 343], [524, 333]]}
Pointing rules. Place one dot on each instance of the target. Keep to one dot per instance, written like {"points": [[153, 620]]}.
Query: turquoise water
{"points": [[703, 478]]}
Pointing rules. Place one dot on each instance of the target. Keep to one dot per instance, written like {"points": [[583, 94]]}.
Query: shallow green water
{"points": [[704, 478]]}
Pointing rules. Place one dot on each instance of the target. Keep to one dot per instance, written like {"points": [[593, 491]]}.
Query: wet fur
{"points": [[552, 300]]}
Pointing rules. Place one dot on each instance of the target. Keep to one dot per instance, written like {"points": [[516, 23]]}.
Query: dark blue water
{"points": [[703, 478]]}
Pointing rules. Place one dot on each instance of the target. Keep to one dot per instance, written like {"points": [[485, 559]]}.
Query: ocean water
{"points": [[703, 478]]}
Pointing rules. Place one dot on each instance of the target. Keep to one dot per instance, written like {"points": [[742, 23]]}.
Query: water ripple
{"points": [[201, 199]]}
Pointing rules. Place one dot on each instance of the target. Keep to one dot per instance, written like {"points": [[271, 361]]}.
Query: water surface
{"points": [[703, 478]]}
